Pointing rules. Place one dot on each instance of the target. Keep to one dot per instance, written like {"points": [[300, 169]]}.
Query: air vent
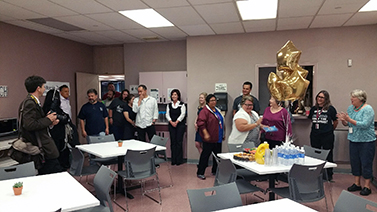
{"points": [[151, 38], [50, 22]]}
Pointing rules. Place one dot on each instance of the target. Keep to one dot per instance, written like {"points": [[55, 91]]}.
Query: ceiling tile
{"points": [[117, 35], [166, 3], [84, 22], [297, 8], [119, 5], [181, 16], [83, 6], [17, 12], [260, 25], [294, 23], [199, 2], [34, 26], [171, 33], [330, 20], [218, 13], [94, 37], [43, 7], [140, 33], [341, 6], [196, 30], [363, 18], [115, 20], [227, 28]]}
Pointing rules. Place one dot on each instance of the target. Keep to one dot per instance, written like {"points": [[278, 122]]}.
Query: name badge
{"points": [[316, 126], [350, 130]]}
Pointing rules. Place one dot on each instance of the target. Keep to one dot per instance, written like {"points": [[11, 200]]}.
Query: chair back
{"points": [[226, 172], [215, 198], [140, 163], [158, 140], [349, 202], [248, 145], [101, 139], [235, 147], [102, 184], [306, 183], [18, 171], [316, 153], [77, 162]]}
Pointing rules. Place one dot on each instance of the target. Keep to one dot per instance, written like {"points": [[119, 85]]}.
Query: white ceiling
{"points": [[103, 25]]}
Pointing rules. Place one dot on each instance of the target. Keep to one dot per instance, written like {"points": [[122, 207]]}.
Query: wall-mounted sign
{"points": [[3, 91], [221, 87], [133, 89]]}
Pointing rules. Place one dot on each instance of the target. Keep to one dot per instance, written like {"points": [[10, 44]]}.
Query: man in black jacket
{"points": [[35, 124]]}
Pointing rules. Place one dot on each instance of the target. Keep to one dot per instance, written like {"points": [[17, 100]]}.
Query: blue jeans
{"points": [[361, 156]]}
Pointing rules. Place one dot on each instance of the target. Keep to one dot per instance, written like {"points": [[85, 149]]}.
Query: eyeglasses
{"points": [[213, 100], [249, 105], [321, 97]]}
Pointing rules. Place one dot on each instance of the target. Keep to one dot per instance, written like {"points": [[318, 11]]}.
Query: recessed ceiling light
{"points": [[257, 9], [147, 17], [370, 6]]}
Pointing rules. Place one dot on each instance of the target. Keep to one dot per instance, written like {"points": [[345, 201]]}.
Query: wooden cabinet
{"points": [[165, 82]]}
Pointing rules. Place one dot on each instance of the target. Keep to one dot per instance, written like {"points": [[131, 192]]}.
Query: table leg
{"points": [[120, 188], [271, 184]]}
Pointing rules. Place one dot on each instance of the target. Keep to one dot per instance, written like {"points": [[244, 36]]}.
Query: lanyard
{"points": [[319, 113], [218, 118]]}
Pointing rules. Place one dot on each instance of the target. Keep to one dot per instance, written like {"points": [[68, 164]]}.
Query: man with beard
{"points": [[93, 116]]}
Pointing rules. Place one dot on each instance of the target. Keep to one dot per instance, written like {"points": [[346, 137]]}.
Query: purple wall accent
{"points": [[25, 52]]}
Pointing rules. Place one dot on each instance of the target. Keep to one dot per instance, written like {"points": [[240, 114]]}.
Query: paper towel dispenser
{"points": [[222, 101]]}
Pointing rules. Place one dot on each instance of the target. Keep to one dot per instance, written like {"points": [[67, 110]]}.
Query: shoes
{"points": [[365, 192], [213, 173], [354, 187], [202, 177]]}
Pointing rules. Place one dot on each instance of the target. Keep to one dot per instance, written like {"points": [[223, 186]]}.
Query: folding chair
{"points": [[77, 165], [305, 184], [18, 171], [215, 198], [349, 202], [160, 156]]}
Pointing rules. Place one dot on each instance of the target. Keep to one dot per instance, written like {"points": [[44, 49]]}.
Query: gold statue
{"points": [[289, 83]]}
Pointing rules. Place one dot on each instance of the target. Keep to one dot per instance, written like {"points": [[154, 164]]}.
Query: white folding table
{"points": [[111, 149], [276, 205], [46, 193], [271, 171]]}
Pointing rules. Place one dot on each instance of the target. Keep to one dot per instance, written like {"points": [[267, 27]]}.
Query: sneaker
{"points": [[202, 177], [354, 187], [365, 192]]}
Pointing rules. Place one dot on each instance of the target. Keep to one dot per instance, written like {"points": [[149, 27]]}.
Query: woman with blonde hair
{"points": [[198, 139]]}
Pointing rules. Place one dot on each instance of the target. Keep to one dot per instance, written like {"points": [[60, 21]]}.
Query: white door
{"points": [[84, 82]]}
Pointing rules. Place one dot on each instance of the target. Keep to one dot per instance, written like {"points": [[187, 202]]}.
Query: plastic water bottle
{"points": [[302, 156], [285, 156]]}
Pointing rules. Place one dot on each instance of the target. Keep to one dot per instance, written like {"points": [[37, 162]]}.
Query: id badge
{"points": [[316, 126], [350, 130]]}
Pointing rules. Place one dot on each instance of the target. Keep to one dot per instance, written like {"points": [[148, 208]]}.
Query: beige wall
{"points": [[232, 59], [25, 52], [161, 56], [108, 59]]}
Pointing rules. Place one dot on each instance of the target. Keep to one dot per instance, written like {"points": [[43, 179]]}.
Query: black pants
{"points": [[324, 142], [50, 166], [272, 143], [203, 161], [176, 141], [151, 130]]}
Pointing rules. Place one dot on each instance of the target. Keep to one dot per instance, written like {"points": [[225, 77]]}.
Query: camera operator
{"points": [[65, 132]]}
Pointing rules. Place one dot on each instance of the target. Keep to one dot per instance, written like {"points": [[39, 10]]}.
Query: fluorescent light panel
{"points": [[370, 6], [257, 9], [147, 17]]}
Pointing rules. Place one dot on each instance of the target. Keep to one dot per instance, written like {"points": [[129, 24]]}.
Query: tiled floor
{"points": [[184, 177]]}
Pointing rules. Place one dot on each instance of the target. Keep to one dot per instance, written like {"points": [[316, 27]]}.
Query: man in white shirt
{"points": [[64, 100], [146, 110]]}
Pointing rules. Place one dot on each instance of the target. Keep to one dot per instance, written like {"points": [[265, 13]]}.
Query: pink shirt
{"points": [[281, 120]]}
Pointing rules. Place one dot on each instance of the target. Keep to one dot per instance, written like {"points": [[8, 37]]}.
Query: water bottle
{"points": [[302, 156], [285, 156]]}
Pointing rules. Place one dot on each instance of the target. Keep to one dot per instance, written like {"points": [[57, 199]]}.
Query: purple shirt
{"points": [[281, 120]]}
